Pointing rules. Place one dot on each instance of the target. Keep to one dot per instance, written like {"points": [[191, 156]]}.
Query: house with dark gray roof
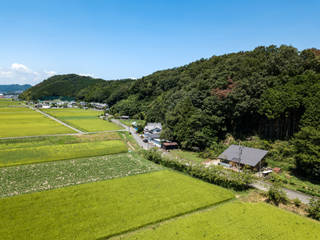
{"points": [[237, 154]]}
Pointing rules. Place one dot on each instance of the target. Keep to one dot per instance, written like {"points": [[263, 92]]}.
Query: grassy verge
{"points": [[101, 209], [186, 155], [130, 121], [27, 155], [235, 220], [51, 175]]}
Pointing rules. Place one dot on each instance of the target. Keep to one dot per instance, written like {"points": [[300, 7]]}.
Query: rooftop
{"points": [[249, 156]]}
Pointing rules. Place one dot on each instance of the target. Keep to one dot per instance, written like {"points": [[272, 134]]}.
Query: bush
{"points": [[276, 195], [297, 202], [314, 209], [213, 174]]}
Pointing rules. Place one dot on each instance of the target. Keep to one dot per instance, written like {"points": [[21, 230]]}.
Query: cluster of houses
{"points": [[70, 104], [10, 96], [151, 134]]}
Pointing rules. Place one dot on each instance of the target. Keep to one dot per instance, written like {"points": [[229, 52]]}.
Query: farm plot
{"points": [[17, 156], [9, 103], [15, 143], [85, 120], [51, 175], [17, 122], [236, 220], [102, 209]]}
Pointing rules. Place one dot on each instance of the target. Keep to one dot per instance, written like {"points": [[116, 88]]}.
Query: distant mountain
{"points": [[80, 88], [14, 88]]}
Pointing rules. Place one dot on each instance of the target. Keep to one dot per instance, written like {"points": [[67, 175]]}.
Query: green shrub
{"points": [[276, 195], [297, 202], [213, 174], [314, 209]]}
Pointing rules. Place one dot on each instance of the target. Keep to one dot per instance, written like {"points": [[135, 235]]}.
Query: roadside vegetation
{"points": [[102, 209], [214, 174]]}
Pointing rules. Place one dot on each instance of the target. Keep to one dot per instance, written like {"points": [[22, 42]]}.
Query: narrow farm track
{"points": [[263, 186], [57, 120]]}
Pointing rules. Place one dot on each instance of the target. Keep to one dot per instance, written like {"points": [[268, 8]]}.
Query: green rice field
{"points": [[17, 122], [29, 178], [85, 120], [27, 155], [106, 208], [235, 220], [4, 102]]}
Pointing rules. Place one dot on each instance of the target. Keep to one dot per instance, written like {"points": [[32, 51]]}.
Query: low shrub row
{"points": [[214, 174]]}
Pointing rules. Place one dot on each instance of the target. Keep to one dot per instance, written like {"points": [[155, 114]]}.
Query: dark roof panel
{"points": [[249, 156]]}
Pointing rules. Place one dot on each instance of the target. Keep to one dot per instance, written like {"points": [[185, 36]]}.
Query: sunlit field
{"points": [[17, 122], [236, 220], [53, 152], [29, 178], [4, 102], [102, 209], [85, 120]]}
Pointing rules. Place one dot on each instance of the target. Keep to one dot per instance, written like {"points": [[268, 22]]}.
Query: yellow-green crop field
{"points": [[102, 209], [85, 120], [236, 220], [17, 122], [53, 152], [8, 103]]}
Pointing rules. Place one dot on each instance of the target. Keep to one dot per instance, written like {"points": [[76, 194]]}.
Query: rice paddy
{"points": [[235, 220], [21, 121], [102, 209], [85, 120], [51, 175], [53, 152]]}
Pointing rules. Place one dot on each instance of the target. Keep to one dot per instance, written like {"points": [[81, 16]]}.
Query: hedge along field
{"points": [[29, 178], [235, 220], [10, 157], [85, 120], [17, 122], [102, 209]]}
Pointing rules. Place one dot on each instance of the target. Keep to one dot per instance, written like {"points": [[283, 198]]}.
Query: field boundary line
{"points": [[57, 120], [36, 136], [165, 220]]}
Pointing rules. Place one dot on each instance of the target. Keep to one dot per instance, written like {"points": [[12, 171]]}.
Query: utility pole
{"points": [[240, 154]]}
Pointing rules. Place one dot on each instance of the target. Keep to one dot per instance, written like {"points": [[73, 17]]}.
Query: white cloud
{"points": [[18, 73], [86, 74]]}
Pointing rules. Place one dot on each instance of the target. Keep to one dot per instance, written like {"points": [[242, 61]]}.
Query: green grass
{"points": [[187, 155], [236, 220], [51, 175], [27, 155], [95, 210], [128, 122], [85, 120], [17, 122]]}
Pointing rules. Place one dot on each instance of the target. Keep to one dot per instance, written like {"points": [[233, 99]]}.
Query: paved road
{"points": [[134, 134], [304, 198]]}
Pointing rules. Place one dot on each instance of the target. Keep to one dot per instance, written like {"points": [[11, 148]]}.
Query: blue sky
{"points": [[115, 39]]}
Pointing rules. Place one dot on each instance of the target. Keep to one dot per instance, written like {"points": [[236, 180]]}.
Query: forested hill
{"points": [[79, 88], [12, 88], [271, 91]]}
